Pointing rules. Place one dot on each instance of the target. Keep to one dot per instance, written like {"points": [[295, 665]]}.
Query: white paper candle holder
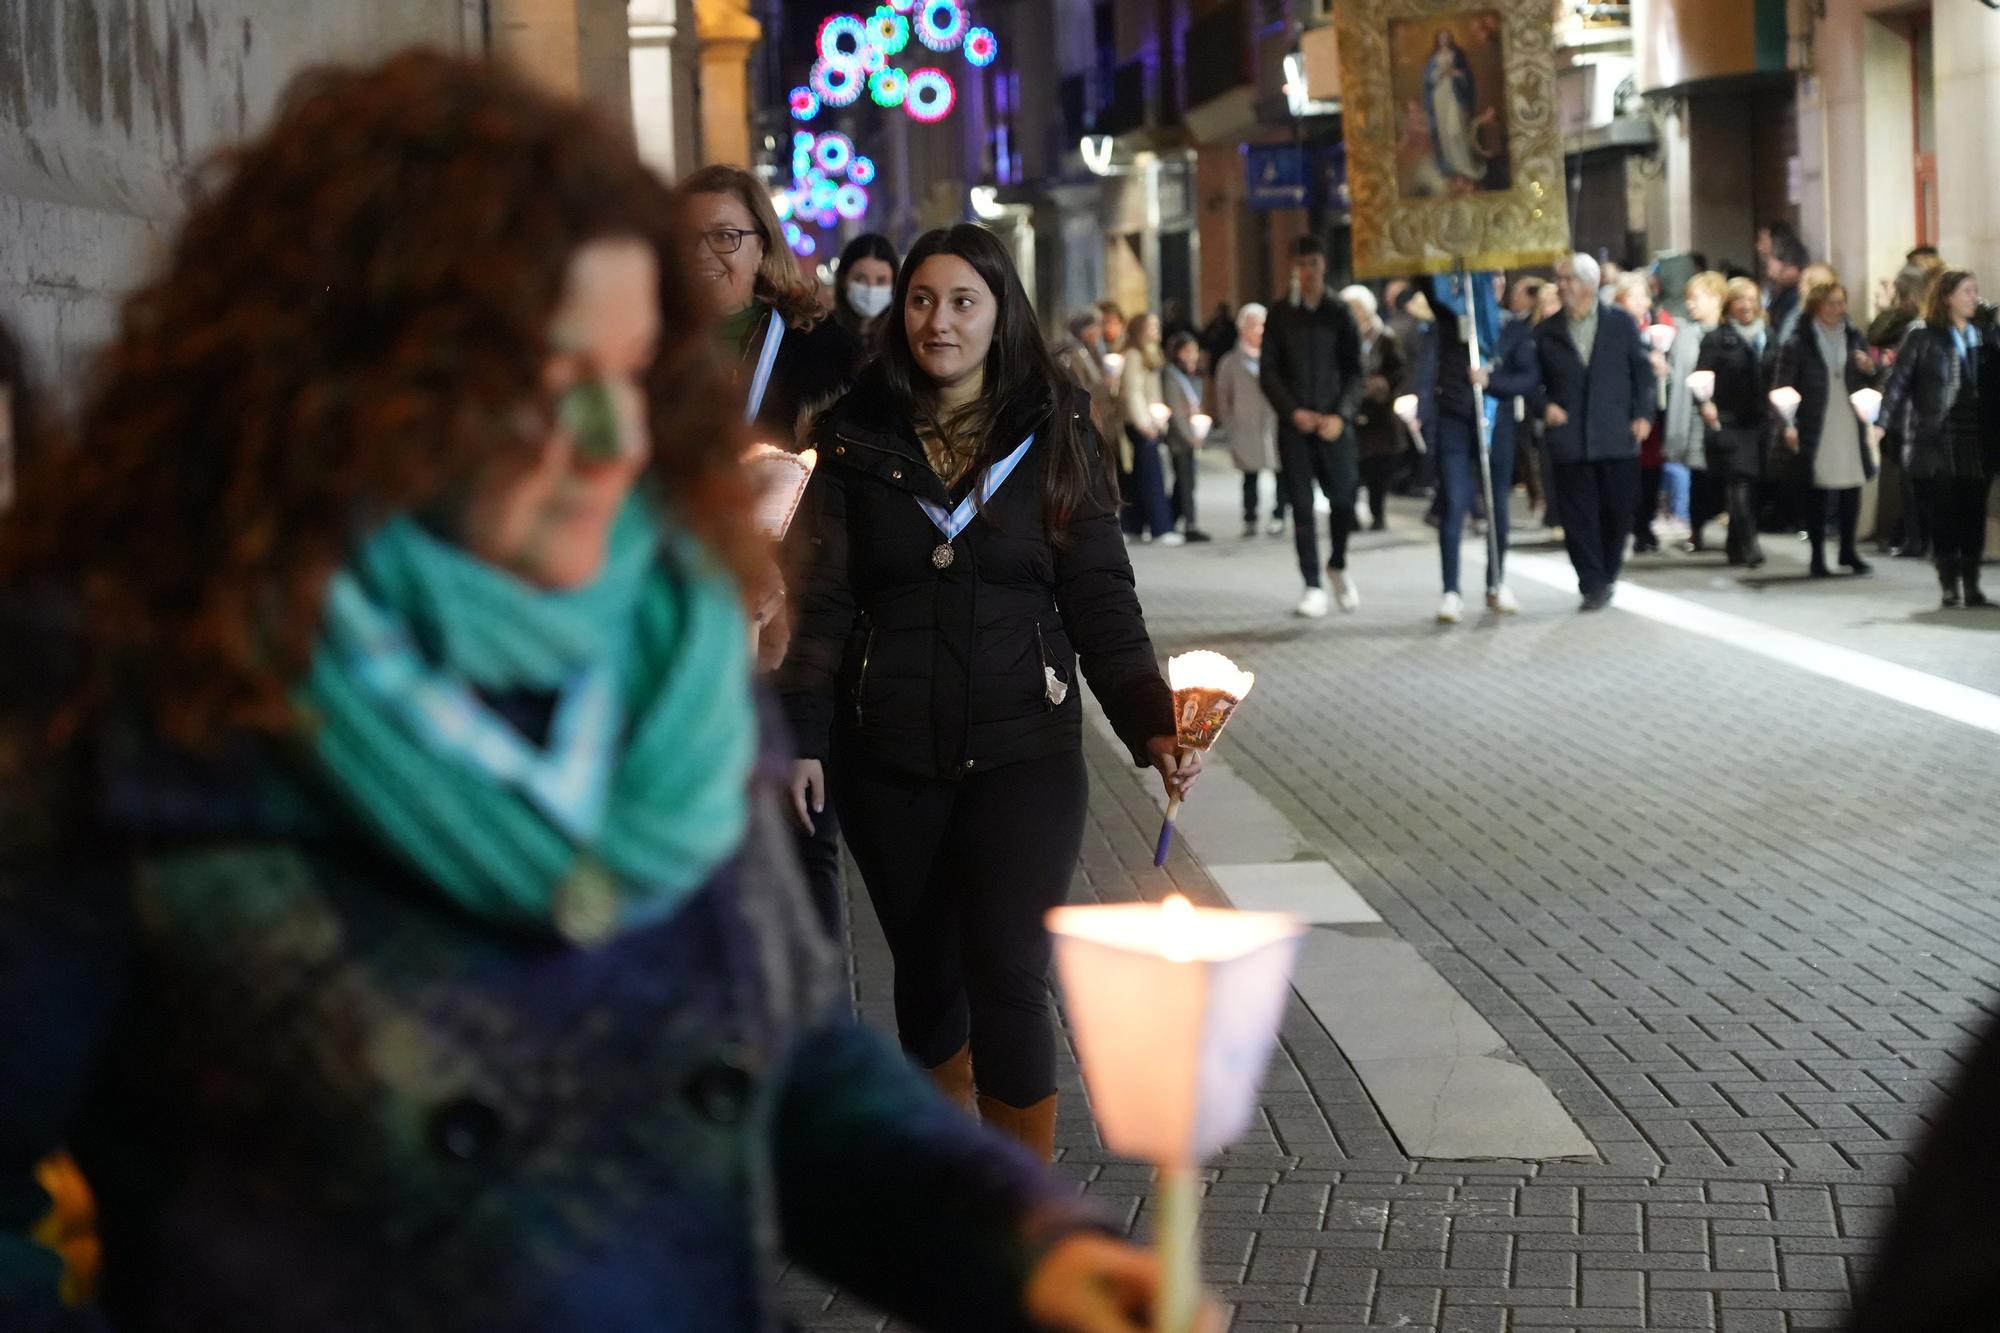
{"points": [[1701, 384]]}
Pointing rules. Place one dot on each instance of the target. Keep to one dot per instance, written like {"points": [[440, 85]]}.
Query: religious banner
{"points": [[1454, 150]]}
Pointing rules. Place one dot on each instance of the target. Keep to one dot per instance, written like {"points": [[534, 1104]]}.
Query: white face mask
{"points": [[868, 302]]}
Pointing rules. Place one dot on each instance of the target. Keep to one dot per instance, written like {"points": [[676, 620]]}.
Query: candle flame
{"points": [[1203, 669], [810, 457], [1177, 927]]}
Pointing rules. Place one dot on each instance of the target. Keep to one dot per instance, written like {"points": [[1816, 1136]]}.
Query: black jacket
{"points": [[814, 367], [1603, 399], [1312, 360], [937, 673], [1736, 448], [1800, 366], [1925, 385]]}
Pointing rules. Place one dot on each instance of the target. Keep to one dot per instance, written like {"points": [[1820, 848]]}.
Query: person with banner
{"points": [[966, 561], [1598, 385]]}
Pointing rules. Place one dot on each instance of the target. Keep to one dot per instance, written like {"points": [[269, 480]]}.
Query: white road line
{"points": [[1918, 689]]}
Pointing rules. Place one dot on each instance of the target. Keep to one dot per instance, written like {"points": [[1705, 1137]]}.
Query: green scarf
{"points": [[732, 333], [641, 789]]}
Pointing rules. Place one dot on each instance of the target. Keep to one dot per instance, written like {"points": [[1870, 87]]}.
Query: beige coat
{"points": [[1242, 410]]}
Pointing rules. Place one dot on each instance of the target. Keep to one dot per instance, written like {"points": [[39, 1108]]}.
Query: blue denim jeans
{"points": [[1678, 483], [1457, 452]]}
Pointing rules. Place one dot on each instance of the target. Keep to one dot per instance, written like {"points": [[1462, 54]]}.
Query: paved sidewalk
{"points": [[1736, 915]]}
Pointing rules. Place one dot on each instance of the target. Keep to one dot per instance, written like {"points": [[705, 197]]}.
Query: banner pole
{"points": [[1468, 324]]}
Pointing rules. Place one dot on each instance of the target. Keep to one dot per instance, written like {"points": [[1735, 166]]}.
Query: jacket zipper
{"points": [[861, 682]]}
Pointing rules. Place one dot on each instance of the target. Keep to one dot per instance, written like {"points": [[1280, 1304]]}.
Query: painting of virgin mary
{"points": [[1453, 141]]}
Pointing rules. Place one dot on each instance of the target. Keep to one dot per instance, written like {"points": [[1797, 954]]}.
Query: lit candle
{"points": [[1701, 383], [1786, 400], [1174, 1009], [779, 478], [1161, 415], [1661, 336], [1201, 423], [1114, 365], [1867, 404], [1207, 687], [1406, 408]]}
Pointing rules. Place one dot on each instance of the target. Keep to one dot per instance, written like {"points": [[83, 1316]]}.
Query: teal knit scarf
{"points": [[641, 788]]}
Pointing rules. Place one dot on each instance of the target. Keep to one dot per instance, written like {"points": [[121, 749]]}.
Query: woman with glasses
{"points": [[966, 561], [396, 920], [791, 362]]}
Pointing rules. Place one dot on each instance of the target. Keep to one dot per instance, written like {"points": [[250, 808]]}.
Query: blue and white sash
{"points": [[774, 333], [954, 521]]}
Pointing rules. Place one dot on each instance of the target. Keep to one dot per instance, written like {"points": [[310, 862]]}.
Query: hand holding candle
{"points": [[1207, 687], [1162, 414]]}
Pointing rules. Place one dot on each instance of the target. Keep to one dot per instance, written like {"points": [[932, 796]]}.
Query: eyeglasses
{"points": [[727, 240]]}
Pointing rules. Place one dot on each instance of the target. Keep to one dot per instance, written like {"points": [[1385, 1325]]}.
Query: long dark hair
{"points": [[868, 245], [1018, 362], [1937, 302]]}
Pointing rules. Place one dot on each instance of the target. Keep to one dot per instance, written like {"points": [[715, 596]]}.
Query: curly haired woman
{"points": [[396, 918]]}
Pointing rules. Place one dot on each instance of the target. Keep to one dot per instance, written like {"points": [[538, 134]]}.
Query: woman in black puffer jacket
{"points": [[961, 559], [1738, 415]]}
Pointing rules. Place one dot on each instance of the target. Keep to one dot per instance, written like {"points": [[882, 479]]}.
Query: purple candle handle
{"points": [[1166, 832]]}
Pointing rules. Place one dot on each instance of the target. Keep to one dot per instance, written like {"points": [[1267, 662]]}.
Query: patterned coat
{"points": [[311, 1095]]}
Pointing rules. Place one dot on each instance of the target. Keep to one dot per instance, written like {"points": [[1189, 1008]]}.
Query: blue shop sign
{"points": [[1276, 175]]}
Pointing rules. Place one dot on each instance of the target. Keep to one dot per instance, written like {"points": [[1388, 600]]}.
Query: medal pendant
{"points": [[942, 556]]}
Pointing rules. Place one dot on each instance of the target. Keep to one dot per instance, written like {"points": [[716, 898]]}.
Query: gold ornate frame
{"points": [[1527, 223]]}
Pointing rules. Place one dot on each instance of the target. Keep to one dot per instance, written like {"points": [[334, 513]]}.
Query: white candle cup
{"points": [[1786, 400], [1162, 414], [1114, 365], [1867, 404], [779, 478], [1174, 1010], [1661, 337], [1406, 408], [1200, 424], [1701, 383]]}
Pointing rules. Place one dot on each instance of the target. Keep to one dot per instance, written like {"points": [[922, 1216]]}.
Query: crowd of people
{"points": [[399, 923], [1763, 408]]}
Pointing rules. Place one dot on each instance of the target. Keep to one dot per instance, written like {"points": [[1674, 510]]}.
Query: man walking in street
{"points": [[1597, 381], [1312, 376]]}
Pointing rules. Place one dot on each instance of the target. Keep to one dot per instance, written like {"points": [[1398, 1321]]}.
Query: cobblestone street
{"points": [[1736, 915]]}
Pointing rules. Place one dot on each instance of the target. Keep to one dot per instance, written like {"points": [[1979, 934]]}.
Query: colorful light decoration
{"points": [[888, 87], [850, 201], [940, 24], [856, 53], [889, 31], [833, 152], [931, 96], [838, 82], [842, 38]]}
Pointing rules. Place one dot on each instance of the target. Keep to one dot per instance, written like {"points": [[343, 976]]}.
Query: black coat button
{"points": [[464, 1129], [720, 1089]]}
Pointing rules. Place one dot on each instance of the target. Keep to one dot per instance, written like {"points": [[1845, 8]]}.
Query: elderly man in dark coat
{"points": [[1597, 382]]}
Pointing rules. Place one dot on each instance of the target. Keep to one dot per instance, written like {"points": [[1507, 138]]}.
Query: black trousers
{"points": [[1743, 545], [1846, 506], [1377, 473], [1647, 509], [1596, 501], [1958, 525], [1707, 500], [1918, 501], [1250, 496], [1307, 459], [1185, 473], [819, 854], [961, 875]]}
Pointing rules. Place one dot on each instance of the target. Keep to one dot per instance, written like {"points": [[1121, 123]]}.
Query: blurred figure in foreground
{"points": [[396, 918]]}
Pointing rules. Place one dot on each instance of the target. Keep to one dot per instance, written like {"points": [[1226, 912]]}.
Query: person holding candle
{"points": [[1180, 385], [1736, 414], [395, 917], [1245, 414], [790, 360], [1379, 432], [1686, 433], [1936, 393], [964, 563], [1826, 360], [1149, 512], [1633, 293]]}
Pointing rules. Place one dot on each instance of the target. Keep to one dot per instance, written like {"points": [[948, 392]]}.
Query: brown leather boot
{"points": [[1034, 1125], [954, 1079]]}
